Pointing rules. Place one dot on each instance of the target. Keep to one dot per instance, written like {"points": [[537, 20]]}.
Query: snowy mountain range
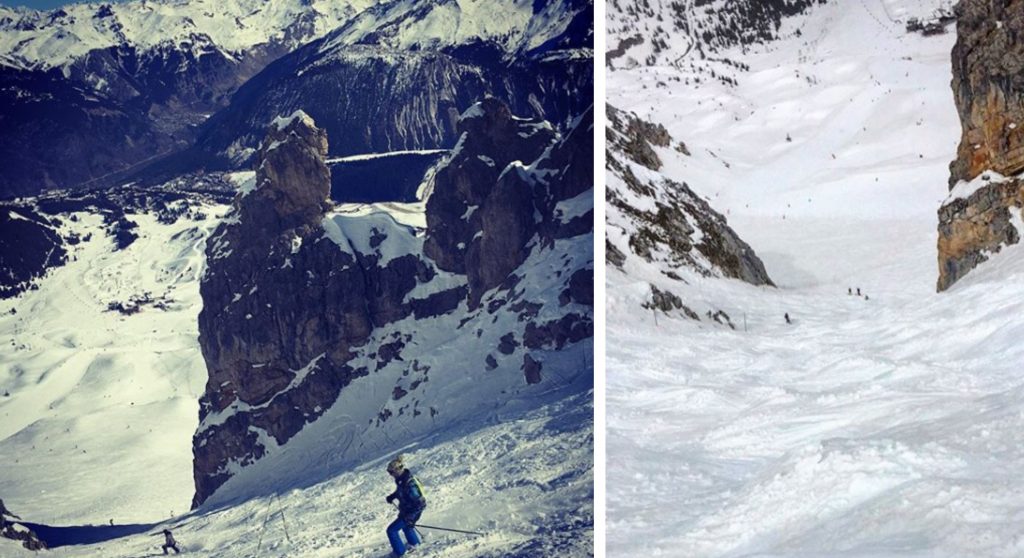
{"points": [[33, 39], [109, 90]]}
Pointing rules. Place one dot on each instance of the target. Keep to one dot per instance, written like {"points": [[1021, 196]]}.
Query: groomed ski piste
{"points": [[102, 408], [874, 426]]}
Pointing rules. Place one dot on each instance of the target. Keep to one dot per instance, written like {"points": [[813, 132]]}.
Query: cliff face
{"points": [[988, 85], [301, 299], [660, 228], [668, 223], [276, 341]]}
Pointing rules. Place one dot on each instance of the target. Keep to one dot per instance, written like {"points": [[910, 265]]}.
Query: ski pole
{"points": [[418, 525], [447, 529]]}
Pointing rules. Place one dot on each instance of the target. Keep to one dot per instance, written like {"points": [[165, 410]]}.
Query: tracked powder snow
{"points": [[879, 425]]}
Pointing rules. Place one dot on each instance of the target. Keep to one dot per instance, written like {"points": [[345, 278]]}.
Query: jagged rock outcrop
{"points": [[668, 302], [986, 188], [475, 227], [300, 300], [482, 215], [284, 306], [16, 531], [663, 221]]}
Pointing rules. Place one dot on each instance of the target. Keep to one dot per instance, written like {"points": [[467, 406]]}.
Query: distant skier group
{"points": [[849, 291]]}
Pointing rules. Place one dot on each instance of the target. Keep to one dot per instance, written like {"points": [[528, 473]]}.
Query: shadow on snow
{"points": [[85, 534]]}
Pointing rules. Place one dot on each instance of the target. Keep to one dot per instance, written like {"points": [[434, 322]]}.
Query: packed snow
{"points": [[884, 424], [372, 233]]}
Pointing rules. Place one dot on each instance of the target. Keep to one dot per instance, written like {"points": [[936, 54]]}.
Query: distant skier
{"points": [[787, 318], [849, 291], [858, 291], [169, 542], [411, 504]]}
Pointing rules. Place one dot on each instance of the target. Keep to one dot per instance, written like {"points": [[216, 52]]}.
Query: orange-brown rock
{"points": [[973, 228], [988, 86]]}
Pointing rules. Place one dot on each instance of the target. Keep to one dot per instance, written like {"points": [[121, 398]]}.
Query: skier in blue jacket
{"points": [[411, 503]]}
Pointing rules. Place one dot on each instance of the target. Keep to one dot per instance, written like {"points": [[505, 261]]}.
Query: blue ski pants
{"points": [[396, 541]]}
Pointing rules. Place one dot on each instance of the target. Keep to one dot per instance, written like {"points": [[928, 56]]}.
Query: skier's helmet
{"points": [[396, 466]]}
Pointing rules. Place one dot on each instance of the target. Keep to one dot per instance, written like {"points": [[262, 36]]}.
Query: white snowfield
{"points": [[880, 425], [102, 406]]}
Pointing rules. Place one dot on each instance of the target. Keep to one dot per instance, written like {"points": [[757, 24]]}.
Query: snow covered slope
{"points": [[523, 478], [876, 425], [35, 39], [99, 404]]}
